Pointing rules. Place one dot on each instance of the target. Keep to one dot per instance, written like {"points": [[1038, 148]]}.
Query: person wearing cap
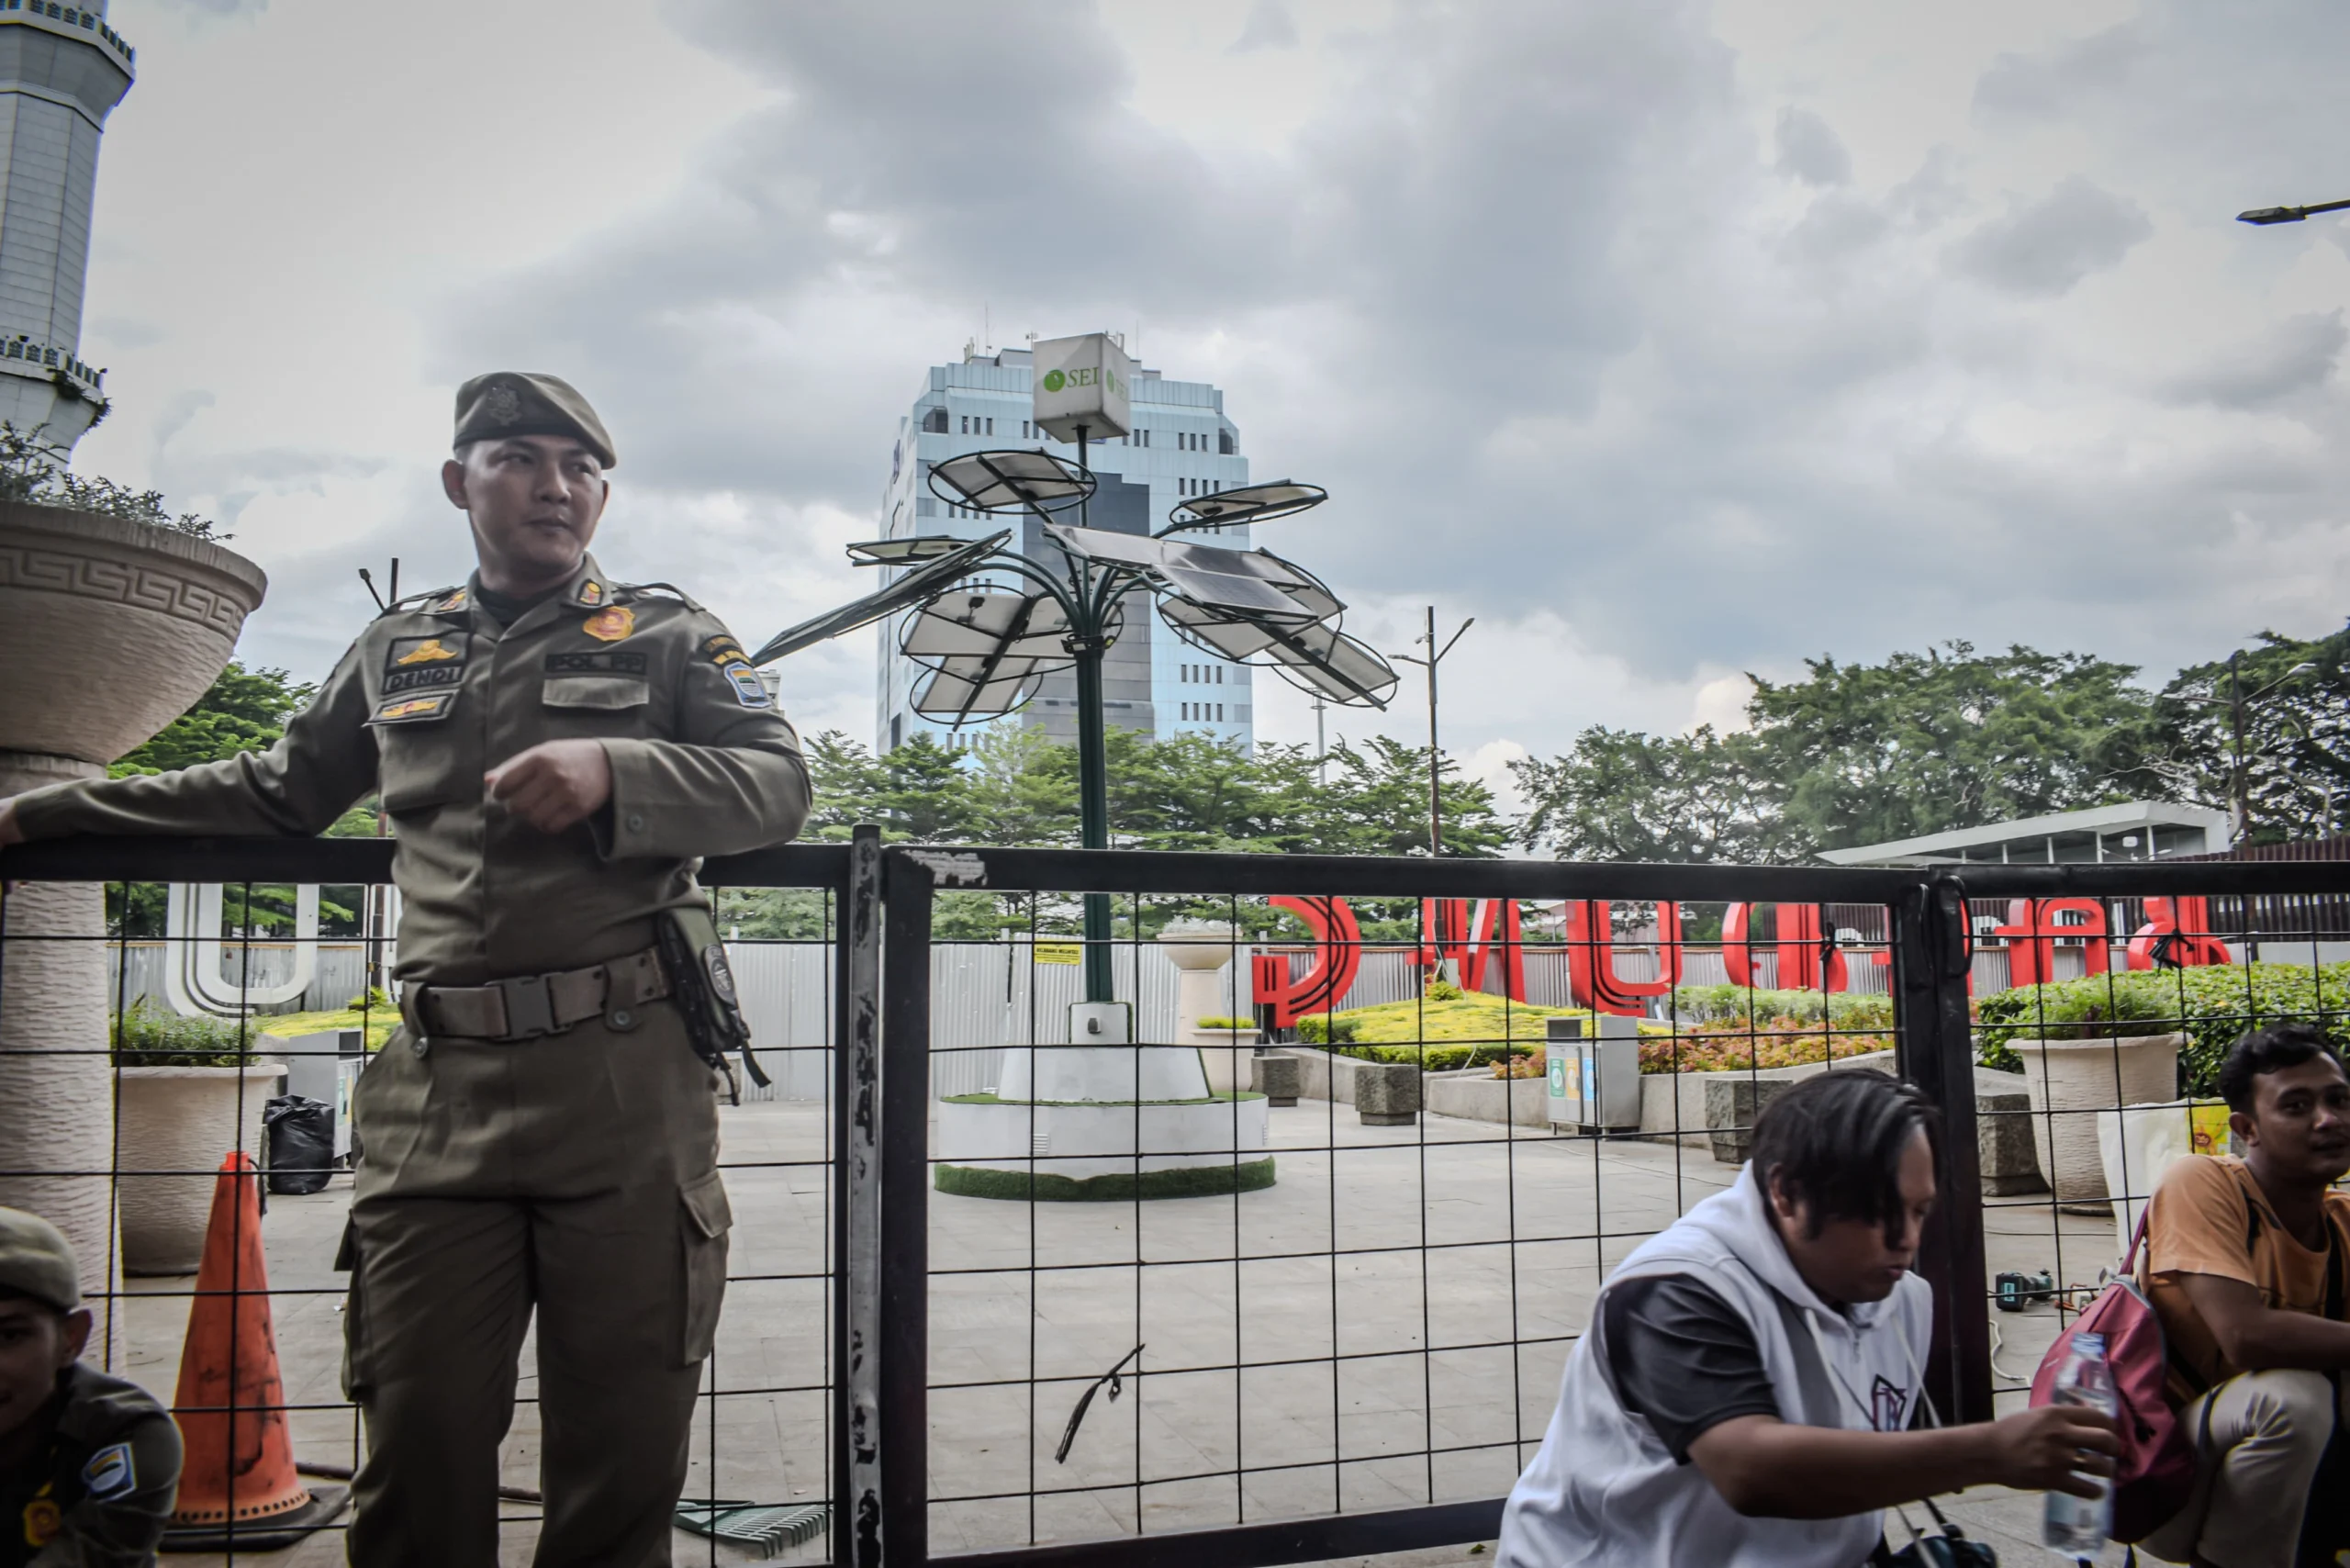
{"points": [[556, 751], [89, 1464]]}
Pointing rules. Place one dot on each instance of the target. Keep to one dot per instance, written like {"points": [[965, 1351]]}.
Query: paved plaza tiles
{"points": [[1421, 1360]]}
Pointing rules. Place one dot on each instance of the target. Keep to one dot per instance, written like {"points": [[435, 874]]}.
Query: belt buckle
{"points": [[529, 1007]]}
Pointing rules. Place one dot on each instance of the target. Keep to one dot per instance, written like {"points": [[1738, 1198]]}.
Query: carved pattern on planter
{"points": [[143, 587]]}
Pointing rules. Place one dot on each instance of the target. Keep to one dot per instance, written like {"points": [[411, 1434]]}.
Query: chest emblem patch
{"points": [[423, 663], [110, 1473], [413, 709], [612, 626]]}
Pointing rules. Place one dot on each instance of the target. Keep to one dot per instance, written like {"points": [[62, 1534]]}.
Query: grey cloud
{"points": [[2041, 249], [1270, 25], [1810, 150], [1523, 295], [2050, 85], [2297, 355]]}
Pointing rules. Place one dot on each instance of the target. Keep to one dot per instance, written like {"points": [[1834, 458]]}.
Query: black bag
{"points": [[301, 1143]]}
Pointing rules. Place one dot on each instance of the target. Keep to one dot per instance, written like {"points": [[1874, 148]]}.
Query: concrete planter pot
{"points": [[184, 1120], [2068, 1080], [1226, 1054], [109, 630]]}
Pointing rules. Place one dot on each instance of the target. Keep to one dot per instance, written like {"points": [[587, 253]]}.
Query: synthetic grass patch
{"points": [[1119, 1187]]}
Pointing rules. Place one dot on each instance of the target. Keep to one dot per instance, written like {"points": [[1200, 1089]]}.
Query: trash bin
{"points": [[301, 1143]]}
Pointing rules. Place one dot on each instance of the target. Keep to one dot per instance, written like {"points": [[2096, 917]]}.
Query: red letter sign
{"points": [[1590, 959], [1448, 923], [1802, 946], [2033, 928], [1338, 944], [2177, 935]]}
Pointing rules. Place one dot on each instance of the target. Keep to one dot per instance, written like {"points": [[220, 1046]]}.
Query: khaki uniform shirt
{"points": [[100, 1487], [433, 695]]}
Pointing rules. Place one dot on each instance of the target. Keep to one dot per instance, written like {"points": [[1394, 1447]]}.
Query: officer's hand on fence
{"points": [[555, 785], [2056, 1448]]}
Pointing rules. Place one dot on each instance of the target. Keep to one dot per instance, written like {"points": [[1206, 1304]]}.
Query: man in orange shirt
{"points": [[2248, 1266]]}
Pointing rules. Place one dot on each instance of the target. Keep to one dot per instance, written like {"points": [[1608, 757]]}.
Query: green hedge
{"points": [[1121, 1187], [146, 1036], [1437, 1055], [2213, 1006], [1842, 1009], [1322, 1028]]}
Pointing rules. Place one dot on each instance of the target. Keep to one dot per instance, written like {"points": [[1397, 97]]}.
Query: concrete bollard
{"points": [[1276, 1077], [1387, 1094]]}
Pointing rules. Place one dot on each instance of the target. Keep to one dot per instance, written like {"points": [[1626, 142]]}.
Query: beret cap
{"points": [[37, 1261], [528, 402]]}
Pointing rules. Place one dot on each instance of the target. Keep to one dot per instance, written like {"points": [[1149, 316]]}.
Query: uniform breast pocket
{"points": [[418, 764], [594, 704]]}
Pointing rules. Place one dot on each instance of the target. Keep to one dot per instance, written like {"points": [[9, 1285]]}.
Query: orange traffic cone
{"points": [[238, 1484]]}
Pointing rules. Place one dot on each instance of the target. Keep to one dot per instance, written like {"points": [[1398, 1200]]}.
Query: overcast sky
{"points": [[1671, 340]]}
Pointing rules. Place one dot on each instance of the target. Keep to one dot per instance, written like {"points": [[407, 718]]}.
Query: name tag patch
{"points": [[110, 1473], [424, 664], [413, 709], [611, 662], [749, 689]]}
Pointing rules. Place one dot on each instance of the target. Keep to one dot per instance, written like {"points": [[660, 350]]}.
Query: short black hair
{"points": [[1836, 1141], [2272, 1049]]}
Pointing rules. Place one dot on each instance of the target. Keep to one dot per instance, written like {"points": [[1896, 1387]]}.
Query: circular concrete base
{"points": [[1043, 1187]]}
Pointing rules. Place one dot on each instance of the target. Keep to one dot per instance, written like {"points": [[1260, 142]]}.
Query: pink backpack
{"points": [[2157, 1451]]}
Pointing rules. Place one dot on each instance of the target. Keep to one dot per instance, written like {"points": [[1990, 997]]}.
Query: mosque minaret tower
{"points": [[62, 70]]}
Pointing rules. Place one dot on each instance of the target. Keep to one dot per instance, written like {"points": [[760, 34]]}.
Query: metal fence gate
{"points": [[1355, 1353]]}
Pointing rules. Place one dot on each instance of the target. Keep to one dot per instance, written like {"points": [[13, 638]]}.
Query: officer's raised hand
{"points": [[555, 785]]}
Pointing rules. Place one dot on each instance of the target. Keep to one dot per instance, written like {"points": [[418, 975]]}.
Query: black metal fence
{"points": [[1324, 1334]]}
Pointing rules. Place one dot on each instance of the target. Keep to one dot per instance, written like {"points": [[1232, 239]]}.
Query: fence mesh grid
{"points": [[95, 1058], [1380, 1326]]}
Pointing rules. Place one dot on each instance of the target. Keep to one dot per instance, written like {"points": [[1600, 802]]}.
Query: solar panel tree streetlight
{"points": [[988, 646], [989, 622]]}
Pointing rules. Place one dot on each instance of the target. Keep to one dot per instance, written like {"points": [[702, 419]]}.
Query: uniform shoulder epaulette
{"points": [[657, 591], [417, 601]]}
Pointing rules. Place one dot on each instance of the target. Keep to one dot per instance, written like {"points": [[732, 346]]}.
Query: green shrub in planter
{"points": [[1323, 1029], [146, 1036], [2213, 1006]]}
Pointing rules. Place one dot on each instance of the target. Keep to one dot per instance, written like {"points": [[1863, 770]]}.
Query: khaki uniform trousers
{"points": [[573, 1176], [2269, 1432]]}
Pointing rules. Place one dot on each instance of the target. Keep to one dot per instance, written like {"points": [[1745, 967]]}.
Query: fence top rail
{"points": [[346, 861], [1252, 875], [339, 862]]}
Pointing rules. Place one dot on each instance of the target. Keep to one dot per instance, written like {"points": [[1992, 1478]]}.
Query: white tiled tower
{"points": [[62, 70]]}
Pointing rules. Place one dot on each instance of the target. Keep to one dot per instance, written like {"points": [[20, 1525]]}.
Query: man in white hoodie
{"points": [[1745, 1395]]}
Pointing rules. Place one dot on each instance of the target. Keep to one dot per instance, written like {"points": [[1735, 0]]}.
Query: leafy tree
{"points": [[1861, 754], [1621, 795], [1854, 754], [2296, 736]]}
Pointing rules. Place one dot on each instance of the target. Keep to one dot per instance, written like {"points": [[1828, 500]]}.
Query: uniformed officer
{"points": [[556, 752], [89, 1464]]}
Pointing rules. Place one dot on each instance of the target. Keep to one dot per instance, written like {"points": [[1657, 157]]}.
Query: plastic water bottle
{"points": [[2077, 1527]]}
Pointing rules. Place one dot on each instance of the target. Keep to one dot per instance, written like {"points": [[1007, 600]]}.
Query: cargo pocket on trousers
{"points": [[356, 1378], [707, 1220]]}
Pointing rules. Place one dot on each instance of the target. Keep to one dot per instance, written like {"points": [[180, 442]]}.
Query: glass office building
{"points": [[1181, 446]]}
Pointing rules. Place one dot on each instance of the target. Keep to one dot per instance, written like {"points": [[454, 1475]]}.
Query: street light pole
{"points": [[1435, 757], [2237, 704], [2264, 216]]}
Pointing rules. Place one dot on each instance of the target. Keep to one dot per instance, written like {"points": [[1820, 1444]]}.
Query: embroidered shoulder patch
{"points": [[412, 710], [112, 1473], [613, 661], [749, 689], [610, 625], [424, 664]]}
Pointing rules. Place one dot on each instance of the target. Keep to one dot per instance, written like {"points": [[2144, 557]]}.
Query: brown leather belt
{"points": [[529, 1006]]}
